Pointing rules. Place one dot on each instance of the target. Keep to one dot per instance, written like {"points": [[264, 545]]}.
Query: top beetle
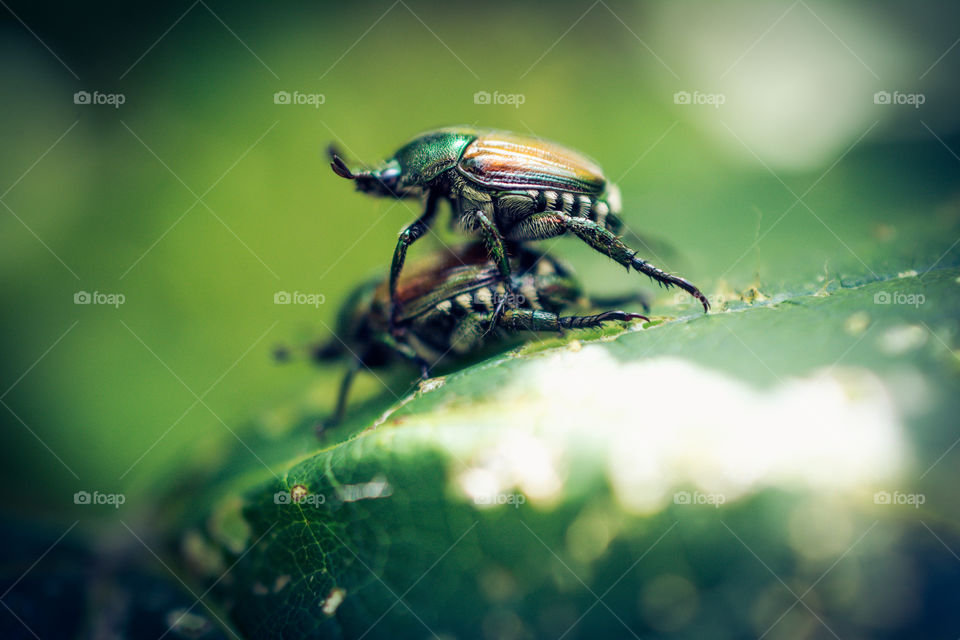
{"points": [[504, 187]]}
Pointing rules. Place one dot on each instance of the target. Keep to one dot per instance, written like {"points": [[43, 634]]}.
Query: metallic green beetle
{"points": [[504, 187], [446, 308]]}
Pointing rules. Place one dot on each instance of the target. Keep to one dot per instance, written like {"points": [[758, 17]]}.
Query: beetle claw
{"points": [[424, 366], [622, 316]]}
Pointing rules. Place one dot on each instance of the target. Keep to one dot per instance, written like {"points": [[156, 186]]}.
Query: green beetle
{"points": [[447, 309], [504, 187]]}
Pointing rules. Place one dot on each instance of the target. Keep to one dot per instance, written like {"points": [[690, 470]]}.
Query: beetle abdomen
{"points": [[513, 207], [509, 161]]}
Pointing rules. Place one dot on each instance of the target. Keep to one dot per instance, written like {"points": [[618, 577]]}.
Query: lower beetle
{"points": [[446, 307], [504, 187]]}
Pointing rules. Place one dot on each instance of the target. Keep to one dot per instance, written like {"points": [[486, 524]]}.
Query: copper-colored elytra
{"points": [[425, 277], [509, 160]]}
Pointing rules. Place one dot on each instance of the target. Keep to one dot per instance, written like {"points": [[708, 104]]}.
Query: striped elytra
{"points": [[509, 161]]}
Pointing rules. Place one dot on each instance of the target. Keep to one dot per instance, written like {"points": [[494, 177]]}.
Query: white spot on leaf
{"points": [[333, 600], [902, 339], [378, 487], [664, 424]]}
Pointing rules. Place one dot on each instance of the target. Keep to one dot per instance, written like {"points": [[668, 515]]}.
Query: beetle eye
{"points": [[389, 179]]}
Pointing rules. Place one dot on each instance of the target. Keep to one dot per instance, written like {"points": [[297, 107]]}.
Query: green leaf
{"points": [[695, 477]]}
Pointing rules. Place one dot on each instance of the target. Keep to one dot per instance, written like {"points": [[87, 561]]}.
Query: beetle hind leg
{"points": [[583, 322], [669, 280], [554, 223], [469, 332], [534, 320]]}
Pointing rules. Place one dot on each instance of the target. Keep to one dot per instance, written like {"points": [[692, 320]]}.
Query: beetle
{"points": [[447, 308], [503, 187]]}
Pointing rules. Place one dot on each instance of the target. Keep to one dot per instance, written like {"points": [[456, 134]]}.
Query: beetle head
{"points": [[384, 181]]}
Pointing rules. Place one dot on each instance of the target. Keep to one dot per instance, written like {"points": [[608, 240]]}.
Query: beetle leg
{"points": [[498, 253], [530, 320], [468, 333], [342, 394], [494, 243], [583, 322], [407, 237], [551, 223], [406, 351]]}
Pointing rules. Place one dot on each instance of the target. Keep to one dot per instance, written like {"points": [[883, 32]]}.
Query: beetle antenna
{"points": [[333, 150], [340, 167], [337, 164]]}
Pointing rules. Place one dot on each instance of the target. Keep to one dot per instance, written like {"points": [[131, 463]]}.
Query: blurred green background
{"points": [[200, 197]]}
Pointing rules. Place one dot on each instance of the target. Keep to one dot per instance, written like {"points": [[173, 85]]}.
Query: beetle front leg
{"points": [[407, 237]]}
